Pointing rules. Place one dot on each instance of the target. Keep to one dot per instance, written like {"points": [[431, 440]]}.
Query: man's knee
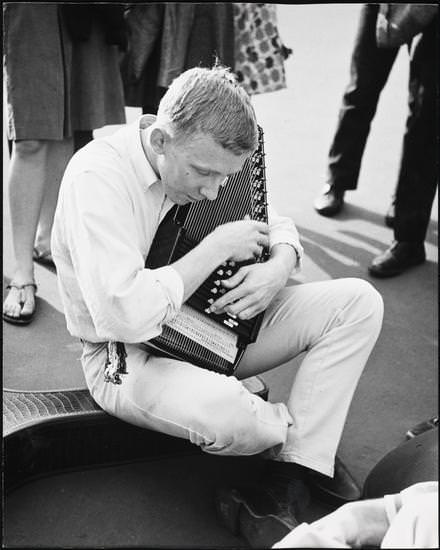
{"points": [[366, 299]]}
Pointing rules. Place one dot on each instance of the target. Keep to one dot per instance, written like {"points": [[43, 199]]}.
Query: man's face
{"points": [[193, 169]]}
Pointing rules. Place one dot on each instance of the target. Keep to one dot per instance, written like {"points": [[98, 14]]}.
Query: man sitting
{"points": [[115, 192]]}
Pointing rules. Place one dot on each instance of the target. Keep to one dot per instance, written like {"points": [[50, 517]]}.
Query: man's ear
{"points": [[158, 138]]}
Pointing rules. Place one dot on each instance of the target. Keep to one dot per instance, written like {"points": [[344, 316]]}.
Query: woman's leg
{"points": [[26, 188], [58, 155], [35, 172]]}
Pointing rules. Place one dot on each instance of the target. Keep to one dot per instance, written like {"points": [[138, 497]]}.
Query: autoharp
{"points": [[212, 341]]}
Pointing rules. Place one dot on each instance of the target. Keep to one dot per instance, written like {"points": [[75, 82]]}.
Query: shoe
{"points": [[43, 257], [330, 202], [390, 215], [339, 489], [263, 514], [22, 319], [422, 427], [397, 258]]}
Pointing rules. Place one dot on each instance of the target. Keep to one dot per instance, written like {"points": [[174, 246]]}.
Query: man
{"points": [[114, 194]]}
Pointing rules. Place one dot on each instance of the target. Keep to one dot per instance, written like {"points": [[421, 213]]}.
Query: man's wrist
{"points": [[284, 256]]}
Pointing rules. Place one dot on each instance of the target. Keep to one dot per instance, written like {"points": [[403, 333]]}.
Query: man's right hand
{"points": [[236, 241], [241, 240]]}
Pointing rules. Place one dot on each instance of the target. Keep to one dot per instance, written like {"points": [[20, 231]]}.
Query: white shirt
{"points": [[109, 207]]}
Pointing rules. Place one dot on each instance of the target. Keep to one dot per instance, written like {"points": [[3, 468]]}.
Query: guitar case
{"points": [[46, 432]]}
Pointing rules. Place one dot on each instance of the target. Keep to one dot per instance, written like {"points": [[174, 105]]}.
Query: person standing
{"points": [[56, 83], [369, 71], [418, 173]]}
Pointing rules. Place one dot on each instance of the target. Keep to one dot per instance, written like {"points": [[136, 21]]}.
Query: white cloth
{"points": [[110, 205], [413, 523]]}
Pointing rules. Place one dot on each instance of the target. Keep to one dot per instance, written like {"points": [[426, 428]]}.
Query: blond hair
{"points": [[210, 101]]}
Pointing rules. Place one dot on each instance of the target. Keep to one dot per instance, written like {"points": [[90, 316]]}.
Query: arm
{"points": [[365, 523], [358, 524], [102, 249], [354, 525]]}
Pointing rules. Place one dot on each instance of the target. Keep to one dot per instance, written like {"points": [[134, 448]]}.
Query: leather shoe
{"points": [[330, 202], [390, 215], [397, 258], [263, 514], [339, 489], [422, 427]]}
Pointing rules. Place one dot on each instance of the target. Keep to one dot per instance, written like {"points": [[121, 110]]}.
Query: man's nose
{"points": [[211, 190], [209, 193]]}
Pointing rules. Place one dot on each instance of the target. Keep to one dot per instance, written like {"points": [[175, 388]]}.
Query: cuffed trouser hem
{"points": [[321, 467]]}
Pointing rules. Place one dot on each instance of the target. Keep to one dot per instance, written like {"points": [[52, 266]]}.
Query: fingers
{"points": [[260, 226], [245, 308], [249, 312], [227, 301], [235, 280], [263, 240]]}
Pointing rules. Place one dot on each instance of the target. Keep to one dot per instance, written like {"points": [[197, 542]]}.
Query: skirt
{"points": [[55, 86]]}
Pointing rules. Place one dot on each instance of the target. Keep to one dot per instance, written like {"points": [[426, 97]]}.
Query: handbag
{"points": [[397, 24]]}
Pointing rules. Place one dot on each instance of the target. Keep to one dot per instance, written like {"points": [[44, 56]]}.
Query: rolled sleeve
{"points": [[282, 230], [171, 284]]}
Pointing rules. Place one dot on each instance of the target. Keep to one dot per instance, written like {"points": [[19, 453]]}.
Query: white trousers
{"points": [[336, 323]]}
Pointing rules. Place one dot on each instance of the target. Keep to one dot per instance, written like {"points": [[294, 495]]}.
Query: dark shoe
{"points": [[390, 215], [43, 257], [22, 318], [339, 489], [422, 427], [397, 258], [330, 202], [264, 514]]}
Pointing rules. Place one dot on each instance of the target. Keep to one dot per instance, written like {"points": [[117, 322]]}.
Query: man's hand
{"points": [[250, 290], [236, 241], [241, 240]]}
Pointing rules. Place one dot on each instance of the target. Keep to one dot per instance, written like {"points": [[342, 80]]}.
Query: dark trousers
{"points": [[369, 70], [418, 173]]}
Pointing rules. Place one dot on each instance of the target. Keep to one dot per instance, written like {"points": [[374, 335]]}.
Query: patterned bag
{"points": [[259, 52]]}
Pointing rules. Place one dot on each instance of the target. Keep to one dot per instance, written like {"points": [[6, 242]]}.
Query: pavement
{"points": [[399, 385]]}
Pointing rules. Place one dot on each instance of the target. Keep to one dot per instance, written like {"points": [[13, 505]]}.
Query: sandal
{"points": [[22, 319], [43, 257]]}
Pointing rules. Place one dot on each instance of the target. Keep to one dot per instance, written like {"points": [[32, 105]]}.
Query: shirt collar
{"points": [[132, 138]]}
